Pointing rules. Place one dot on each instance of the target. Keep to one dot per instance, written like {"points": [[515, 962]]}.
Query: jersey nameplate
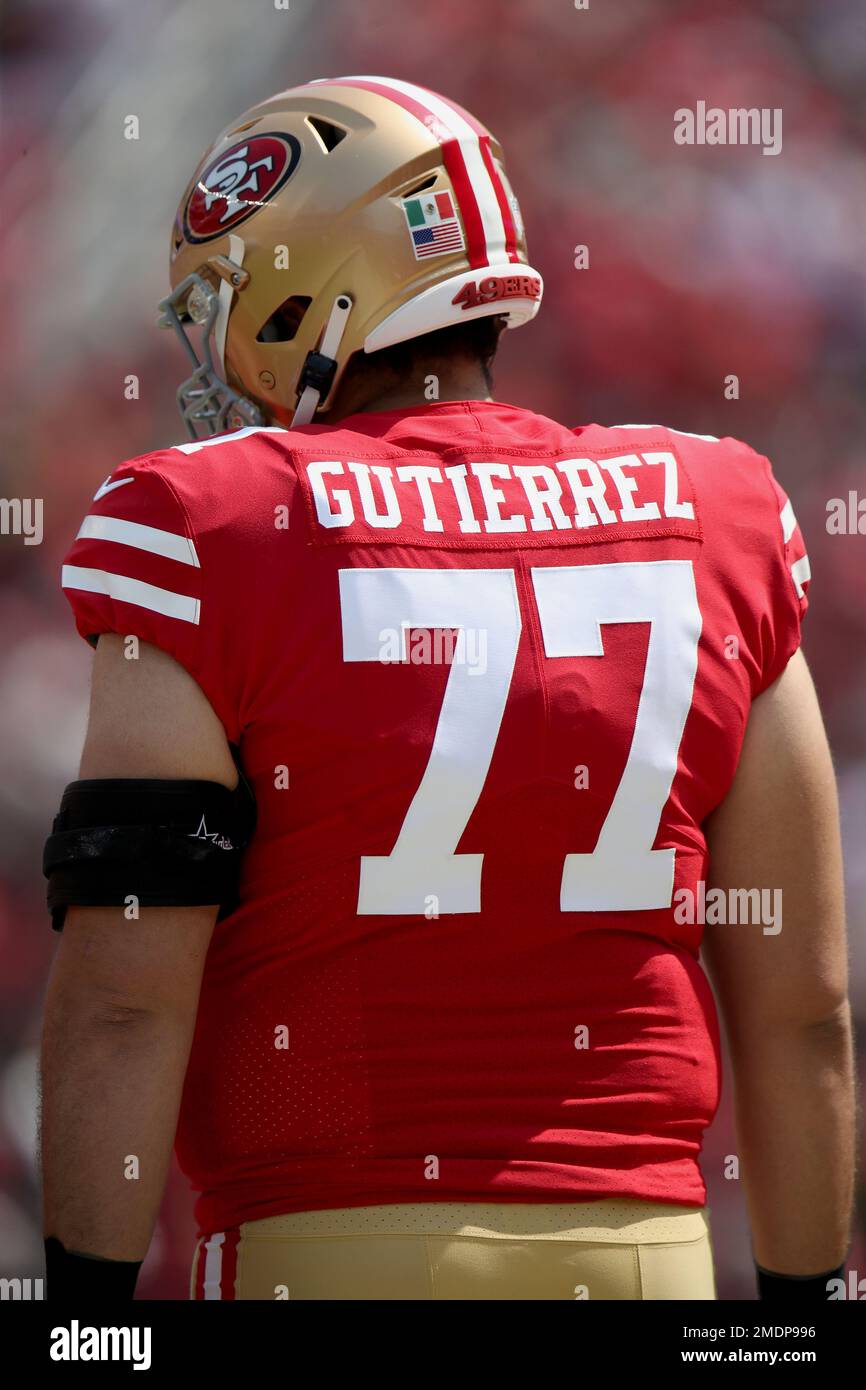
{"points": [[481, 504]]}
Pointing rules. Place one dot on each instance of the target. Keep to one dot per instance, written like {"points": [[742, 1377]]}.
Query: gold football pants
{"points": [[614, 1249]]}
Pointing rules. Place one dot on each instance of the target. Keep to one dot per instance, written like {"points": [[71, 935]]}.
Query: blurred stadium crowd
{"points": [[703, 262]]}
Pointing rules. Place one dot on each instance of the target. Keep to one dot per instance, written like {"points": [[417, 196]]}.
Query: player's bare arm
{"points": [[784, 995], [123, 993]]}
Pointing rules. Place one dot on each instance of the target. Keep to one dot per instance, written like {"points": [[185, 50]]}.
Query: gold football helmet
{"points": [[341, 216]]}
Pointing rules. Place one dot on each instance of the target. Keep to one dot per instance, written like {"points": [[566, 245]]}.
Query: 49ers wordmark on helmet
{"points": [[236, 184]]}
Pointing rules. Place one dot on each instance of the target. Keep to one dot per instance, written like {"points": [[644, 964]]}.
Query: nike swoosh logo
{"points": [[109, 486]]}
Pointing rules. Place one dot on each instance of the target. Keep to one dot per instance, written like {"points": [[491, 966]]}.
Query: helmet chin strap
{"points": [[320, 367], [237, 250]]}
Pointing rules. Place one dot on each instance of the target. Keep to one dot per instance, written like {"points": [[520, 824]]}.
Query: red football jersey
{"points": [[488, 676]]}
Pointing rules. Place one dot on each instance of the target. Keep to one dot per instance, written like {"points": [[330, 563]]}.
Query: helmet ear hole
{"points": [[285, 321], [421, 187], [328, 134]]}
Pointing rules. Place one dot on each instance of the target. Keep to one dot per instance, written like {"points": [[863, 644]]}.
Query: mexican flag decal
{"points": [[433, 225]]}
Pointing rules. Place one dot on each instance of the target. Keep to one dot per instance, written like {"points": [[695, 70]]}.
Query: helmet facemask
{"points": [[207, 404]]}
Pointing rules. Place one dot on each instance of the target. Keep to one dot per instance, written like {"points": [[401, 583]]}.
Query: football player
{"points": [[429, 740]]}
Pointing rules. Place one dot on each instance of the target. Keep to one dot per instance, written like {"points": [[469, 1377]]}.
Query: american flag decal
{"points": [[433, 225]]}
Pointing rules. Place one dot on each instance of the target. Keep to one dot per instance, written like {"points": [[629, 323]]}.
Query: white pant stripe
{"points": [[213, 1265]]}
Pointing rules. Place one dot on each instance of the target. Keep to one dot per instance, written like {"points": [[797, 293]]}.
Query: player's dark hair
{"points": [[478, 339]]}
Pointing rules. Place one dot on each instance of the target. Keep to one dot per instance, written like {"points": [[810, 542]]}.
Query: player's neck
{"points": [[454, 382]]}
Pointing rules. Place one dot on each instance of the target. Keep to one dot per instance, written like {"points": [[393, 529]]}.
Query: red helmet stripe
{"points": [[476, 242], [501, 198], [461, 110]]}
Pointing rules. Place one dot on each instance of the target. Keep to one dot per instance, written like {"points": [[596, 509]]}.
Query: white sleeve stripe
{"points": [[710, 438], [800, 572], [232, 438], [135, 591], [134, 533], [789, 521]]}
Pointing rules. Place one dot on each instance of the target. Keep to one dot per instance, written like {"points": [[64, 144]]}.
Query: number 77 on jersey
{"points": [[623, 873]]}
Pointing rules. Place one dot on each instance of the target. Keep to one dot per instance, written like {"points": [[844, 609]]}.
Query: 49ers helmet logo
{"points": [[236, 184]]}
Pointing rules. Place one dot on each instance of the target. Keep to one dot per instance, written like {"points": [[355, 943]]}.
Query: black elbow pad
{"points": [[148, 841]]}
